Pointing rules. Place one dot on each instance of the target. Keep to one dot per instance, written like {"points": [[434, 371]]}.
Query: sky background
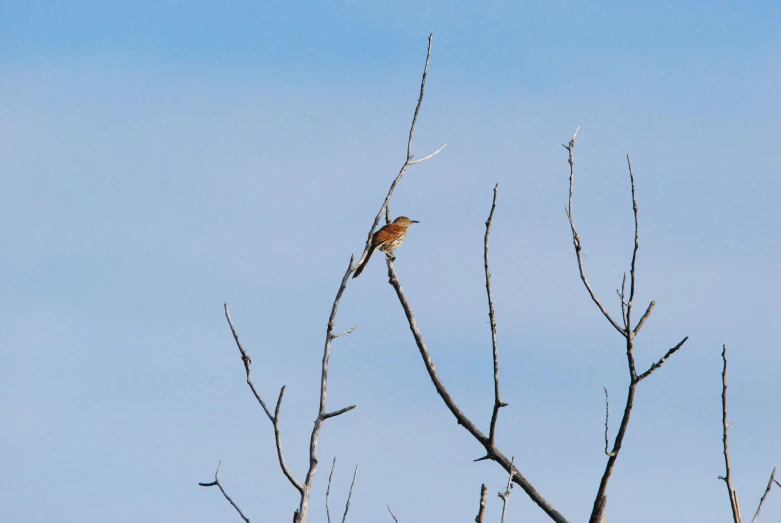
{"points": [[160, 158]]}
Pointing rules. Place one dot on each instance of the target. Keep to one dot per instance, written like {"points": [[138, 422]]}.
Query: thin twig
{"points": [[621, 295], [492, 452], [659, 363], [421, 160], [328, 491], [576, 237], [498, 403], [350, 495], [483, 499], [338, 412], [762, 500], [733, 496], [348, 331], [607, 414], [247, 363], [407, 162], [506, 495], [634, 251], [273, 418], [225, 494], [392, 514]]}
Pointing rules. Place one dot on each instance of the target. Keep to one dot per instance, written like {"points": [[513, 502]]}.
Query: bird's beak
{"points": [[414, 221]]}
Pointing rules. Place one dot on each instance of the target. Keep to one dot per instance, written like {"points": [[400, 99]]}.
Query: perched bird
{"points": [[387, 239]]}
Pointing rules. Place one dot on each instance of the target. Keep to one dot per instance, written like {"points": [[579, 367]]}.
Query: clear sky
{"points": [[160, 158]]}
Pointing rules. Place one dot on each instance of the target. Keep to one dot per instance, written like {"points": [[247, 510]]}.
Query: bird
{"points": [[387, 239]]}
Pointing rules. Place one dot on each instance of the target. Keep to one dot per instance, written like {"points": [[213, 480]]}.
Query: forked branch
{"points": [[627, 302], [385, 207], [322, 414], [304, 489], [727, 477], [576, 237], [273, 418], [492, 451], [225, 494], [506, 494]]}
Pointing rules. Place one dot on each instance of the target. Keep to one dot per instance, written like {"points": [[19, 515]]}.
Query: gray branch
{"points": [[506, 494], [328, 491], [767, 490], [385, 207], [350, 495], [576, 237], [483, 499], [492, 451], [733, 496], [607, 415], [322, 414], [634, 251], [600, 500], [498, 403], [225, 494], [273, 418]]}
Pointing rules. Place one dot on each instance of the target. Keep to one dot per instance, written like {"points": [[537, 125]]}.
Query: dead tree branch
{"points": [[498, 403], [392, 514], [727, 478], [273, 418], [607, 415], [506, 494], [350, 495], [600, 501], [576, 237], [733, 496], [492, 451], [304, 489], [483, 499], [225, 494], [328, 491], [322, 414], [385, 207], [767, 490]]}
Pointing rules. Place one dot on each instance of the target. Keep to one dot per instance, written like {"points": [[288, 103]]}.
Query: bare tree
{"points": [[625, 328]]}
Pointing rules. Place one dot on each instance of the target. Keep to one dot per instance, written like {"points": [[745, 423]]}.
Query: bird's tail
{"points": [[363, 262]]}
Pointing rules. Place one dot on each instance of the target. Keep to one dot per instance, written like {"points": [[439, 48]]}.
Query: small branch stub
{"points": [[483, 499], [506, 494]]}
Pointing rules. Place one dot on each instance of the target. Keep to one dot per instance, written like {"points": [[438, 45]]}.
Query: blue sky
{"points": [[159, 159]]}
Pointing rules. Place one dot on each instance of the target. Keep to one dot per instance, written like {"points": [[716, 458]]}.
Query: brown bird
{"points": [[387, 239]]}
